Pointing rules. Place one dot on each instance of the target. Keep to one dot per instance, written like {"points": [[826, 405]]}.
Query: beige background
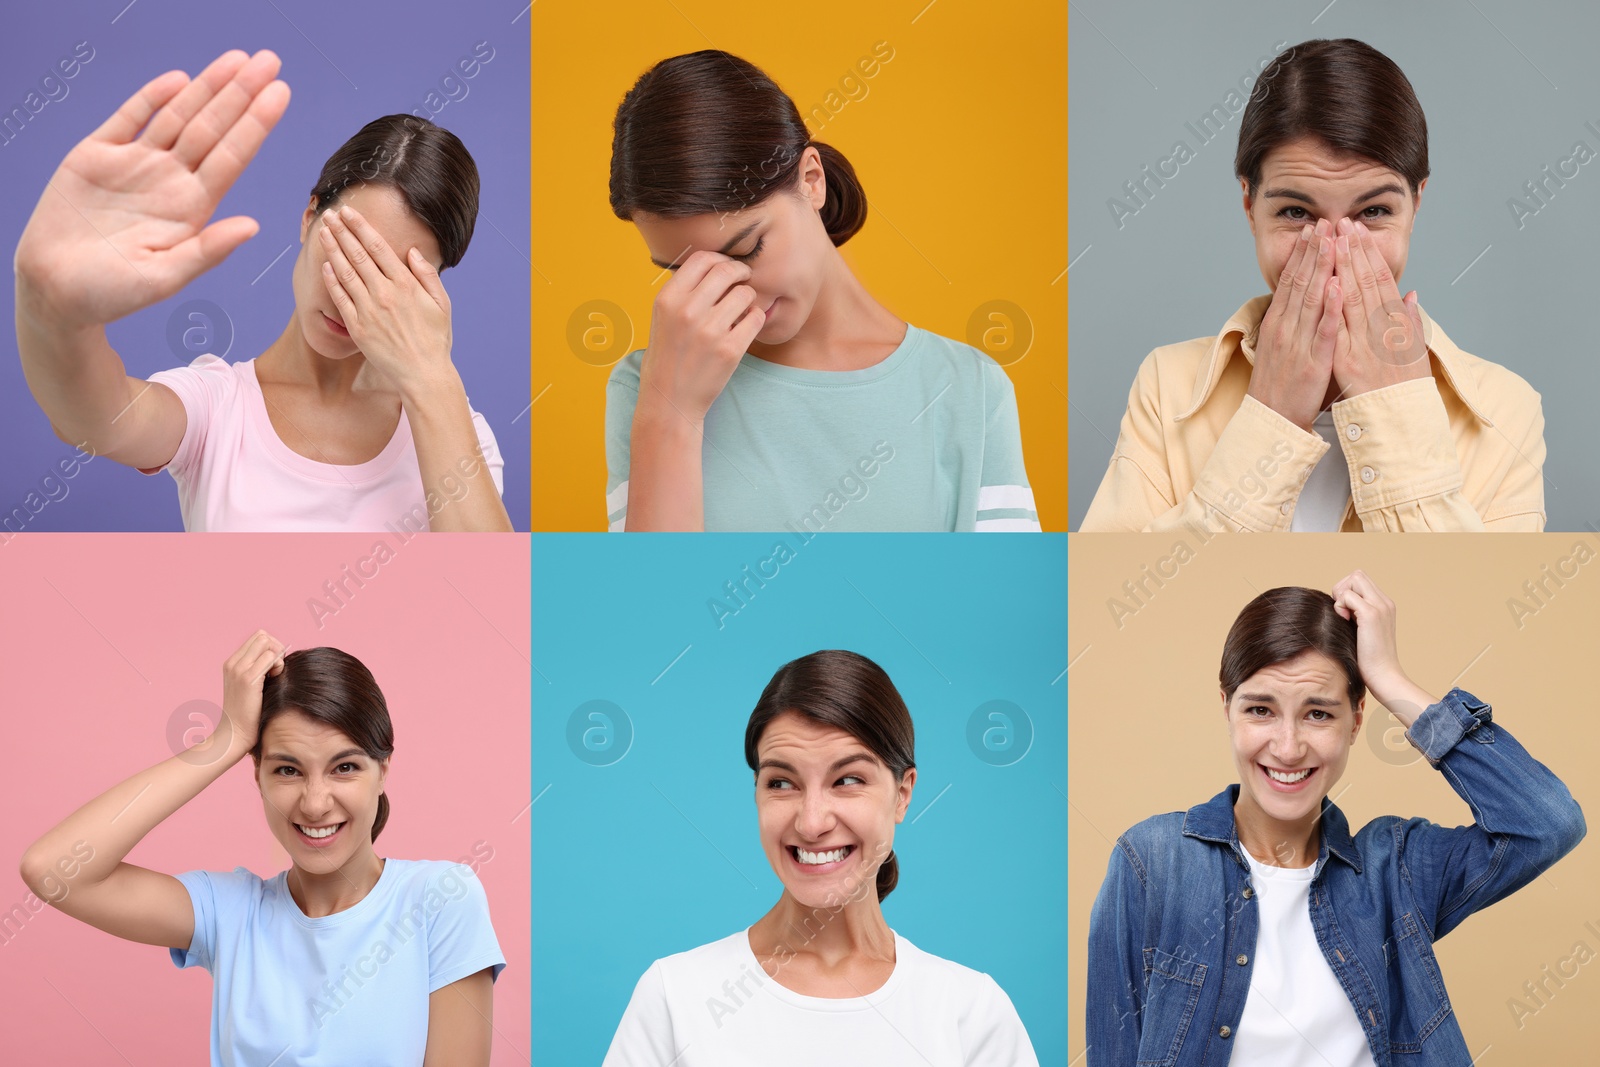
{"points": [[1147, 733]]}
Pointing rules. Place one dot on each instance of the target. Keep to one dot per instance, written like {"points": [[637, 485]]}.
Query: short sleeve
{"points": [[1005, 499], [218, 898], [461, 939], [491, 452], [204, 387], [644, 1037], [992, 1034], [622, 396]]}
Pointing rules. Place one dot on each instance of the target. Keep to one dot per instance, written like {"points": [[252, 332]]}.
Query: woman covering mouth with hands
{"points": [[831, 745], [1255, 929], [346, 957], [1333, 404], [775, 393], [355, 418]]}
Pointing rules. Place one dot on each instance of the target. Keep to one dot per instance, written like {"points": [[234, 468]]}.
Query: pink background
{"points": [[105, 636]]}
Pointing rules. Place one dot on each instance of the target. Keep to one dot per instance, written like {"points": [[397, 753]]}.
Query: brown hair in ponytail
{"points": [[710, 133], [336, 689], [847, 691]]}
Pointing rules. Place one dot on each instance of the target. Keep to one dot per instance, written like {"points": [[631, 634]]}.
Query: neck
{"points": [[1274, 841], [832, 935], [846, 330], [344, 887], [291, 361]]}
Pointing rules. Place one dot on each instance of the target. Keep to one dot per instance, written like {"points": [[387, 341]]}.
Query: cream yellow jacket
{"points": [[1462, 450]]}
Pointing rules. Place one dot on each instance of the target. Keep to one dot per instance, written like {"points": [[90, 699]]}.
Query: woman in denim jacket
{"points": [[1226, 934]]}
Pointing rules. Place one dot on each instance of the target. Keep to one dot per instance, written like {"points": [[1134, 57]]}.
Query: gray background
{"points": [[1507, 89]]}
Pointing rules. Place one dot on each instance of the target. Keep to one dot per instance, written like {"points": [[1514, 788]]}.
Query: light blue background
{"points": [[658, 852]]}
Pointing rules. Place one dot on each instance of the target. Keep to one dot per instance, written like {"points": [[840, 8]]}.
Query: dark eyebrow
{"points": [[1295, 194], [843, 761], [1267, 698], [724, 250], [282, 757]]}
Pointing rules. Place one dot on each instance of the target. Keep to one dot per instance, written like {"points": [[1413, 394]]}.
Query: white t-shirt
{"points": [[1297, 1013], [1320, 508], [343, 989], [234, 472], [715, 1006]]}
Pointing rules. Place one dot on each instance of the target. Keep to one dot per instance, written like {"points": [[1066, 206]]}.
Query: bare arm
{"points": [[123, 224], [398, 313], [123, 899], [461, 1023], [703, 322]]}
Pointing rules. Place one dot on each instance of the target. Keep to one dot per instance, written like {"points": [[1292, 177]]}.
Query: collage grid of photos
{"points": [[421, 764]]}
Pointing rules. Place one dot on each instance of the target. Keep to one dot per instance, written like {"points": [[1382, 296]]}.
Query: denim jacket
{"points": [[1173, 933]]}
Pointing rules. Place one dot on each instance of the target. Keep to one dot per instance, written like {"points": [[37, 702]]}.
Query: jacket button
{"points": [[1353, 432], [1368, 474], [1248, 892], [1225, 1032], [1242, 959]]}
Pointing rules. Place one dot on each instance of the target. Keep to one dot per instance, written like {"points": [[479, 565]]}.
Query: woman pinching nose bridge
{"points": [[356, 417], [772, 375]]}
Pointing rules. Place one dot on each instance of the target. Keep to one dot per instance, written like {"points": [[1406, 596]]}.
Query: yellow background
{"points": [[960, 143], [1147, 734]]}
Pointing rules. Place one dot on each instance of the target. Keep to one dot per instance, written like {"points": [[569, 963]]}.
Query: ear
{"points": [[308, 218], [1416, 202], [813, 179], [904, 800], [1360, 715], [1244, 193], [383, 771], [1223, 694]]}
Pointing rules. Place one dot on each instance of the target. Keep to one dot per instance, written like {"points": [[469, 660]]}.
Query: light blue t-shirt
{"points": [[927, 439], [344, 989]]}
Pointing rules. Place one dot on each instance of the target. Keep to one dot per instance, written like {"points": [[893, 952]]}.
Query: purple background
{"points": [[346, 63]]}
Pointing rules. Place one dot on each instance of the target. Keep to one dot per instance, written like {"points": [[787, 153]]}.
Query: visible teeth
{"points": [[822, 857], [1287, 778], [325, 831]]}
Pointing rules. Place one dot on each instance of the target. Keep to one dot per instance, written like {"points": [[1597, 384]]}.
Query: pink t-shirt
{"points": [[234, 472]]}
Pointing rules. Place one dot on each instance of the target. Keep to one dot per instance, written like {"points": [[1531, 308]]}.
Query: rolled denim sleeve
{"points": [[1525, 818], [1116, 962]]}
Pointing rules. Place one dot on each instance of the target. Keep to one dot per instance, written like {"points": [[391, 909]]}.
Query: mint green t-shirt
{"points": [[926, 439]]}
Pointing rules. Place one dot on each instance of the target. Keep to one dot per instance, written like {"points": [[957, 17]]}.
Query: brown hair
{"points": [[426, 164], [708, 133], [1346, 94], [1279, 625], [336, 689], [850, 692]]}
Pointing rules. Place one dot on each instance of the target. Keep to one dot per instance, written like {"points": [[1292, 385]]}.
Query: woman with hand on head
{"points": [[1333, 404], [1255, 929], [822, 976], [347, 957], [775, 393], [354, 418]]}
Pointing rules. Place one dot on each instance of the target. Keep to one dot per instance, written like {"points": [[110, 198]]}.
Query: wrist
{"points": [[658, 419], [434, 385]]}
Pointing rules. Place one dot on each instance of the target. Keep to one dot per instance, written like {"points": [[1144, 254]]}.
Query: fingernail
{"points": [[1305, 232], [347, 211]]}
